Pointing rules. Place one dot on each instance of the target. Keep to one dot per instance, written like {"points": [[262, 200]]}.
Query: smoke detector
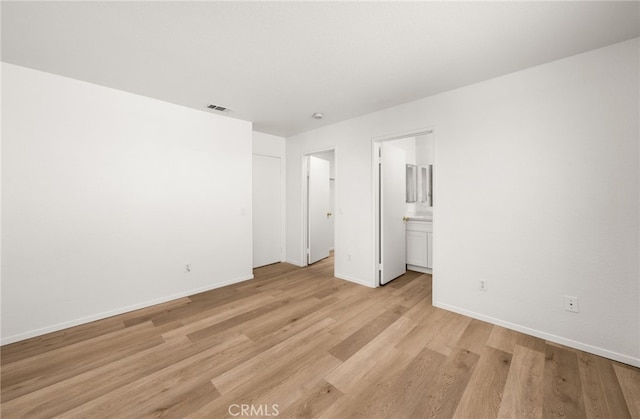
{"points": [[318, 115]]}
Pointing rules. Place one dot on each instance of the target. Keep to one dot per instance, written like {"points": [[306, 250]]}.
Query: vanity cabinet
{"points": [[419, 236]]}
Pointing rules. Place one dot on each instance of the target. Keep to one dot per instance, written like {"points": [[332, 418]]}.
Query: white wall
{"points": [[268, 145], [425, 147], [106, 197], [537, 191]]}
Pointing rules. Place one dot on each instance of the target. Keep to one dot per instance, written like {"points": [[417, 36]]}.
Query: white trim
{"points": [[626, 359], [405, 134], [278, 156], [367, 284], [294, 262], [420, 269], [305, 208], [115, 312], [375, 162], [283, 206]]}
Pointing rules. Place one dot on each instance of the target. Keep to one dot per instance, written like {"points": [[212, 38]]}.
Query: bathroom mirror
{"points": [[411, 181], [430, 185], [423, 194]]}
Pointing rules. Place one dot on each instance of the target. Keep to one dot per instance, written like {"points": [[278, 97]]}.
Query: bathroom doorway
{"points": [[393, 157]]}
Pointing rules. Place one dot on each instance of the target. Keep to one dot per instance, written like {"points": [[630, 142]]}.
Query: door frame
{"points": [[305, 202], [375, 175]]}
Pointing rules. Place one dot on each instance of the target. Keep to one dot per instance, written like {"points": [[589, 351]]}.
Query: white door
{"points": [[267, 210], [319, 216], [392, 211]]}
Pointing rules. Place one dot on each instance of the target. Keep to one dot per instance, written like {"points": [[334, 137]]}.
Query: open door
{"points": [[392, 212], [319, 234]]}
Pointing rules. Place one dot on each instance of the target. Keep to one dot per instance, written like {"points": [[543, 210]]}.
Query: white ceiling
{"points": [[276, 63]]}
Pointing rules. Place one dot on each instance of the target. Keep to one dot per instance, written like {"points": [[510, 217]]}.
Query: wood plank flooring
{"points": [[299, 343]]}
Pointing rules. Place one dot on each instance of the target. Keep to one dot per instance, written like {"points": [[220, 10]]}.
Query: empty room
{"points": [[320, 209]]}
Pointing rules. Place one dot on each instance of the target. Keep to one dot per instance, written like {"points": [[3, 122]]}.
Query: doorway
{"points": [[394, 158], [319, 205]]}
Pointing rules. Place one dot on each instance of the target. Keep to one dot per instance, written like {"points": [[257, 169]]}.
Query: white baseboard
{"points": [[419, 269], [626, 359], [294, 262], [355, 280], [99, 316]]}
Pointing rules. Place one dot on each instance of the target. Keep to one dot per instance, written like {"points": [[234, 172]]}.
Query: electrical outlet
{"points": [[483, 285], [571, 304]]}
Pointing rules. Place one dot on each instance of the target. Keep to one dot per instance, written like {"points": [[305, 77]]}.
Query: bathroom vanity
{"points": [[419, 236]]}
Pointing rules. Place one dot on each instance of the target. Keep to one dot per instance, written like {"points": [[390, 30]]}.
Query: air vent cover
{"points": [[218, 108]]}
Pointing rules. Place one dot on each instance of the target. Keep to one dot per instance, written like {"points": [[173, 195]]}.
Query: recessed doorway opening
{"points": [[393, 157], [319, 203]]}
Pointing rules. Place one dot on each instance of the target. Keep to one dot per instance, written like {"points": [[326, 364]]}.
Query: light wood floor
{"points": [[300, 343]]}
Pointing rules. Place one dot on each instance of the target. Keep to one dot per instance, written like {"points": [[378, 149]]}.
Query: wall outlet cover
{"points": [[571, 304], [483, 285]]}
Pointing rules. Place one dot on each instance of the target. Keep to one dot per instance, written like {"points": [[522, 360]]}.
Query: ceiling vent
{"points": [[218, 108]]}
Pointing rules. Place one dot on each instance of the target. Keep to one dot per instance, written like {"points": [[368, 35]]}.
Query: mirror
{"points": [[430, 185], [423, 196], [411, 180]]}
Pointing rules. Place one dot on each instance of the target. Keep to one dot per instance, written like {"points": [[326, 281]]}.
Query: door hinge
{"points": [[380, 266]]}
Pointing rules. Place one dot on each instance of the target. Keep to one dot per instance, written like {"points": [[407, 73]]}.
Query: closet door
{"points": [[267, 210]]}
